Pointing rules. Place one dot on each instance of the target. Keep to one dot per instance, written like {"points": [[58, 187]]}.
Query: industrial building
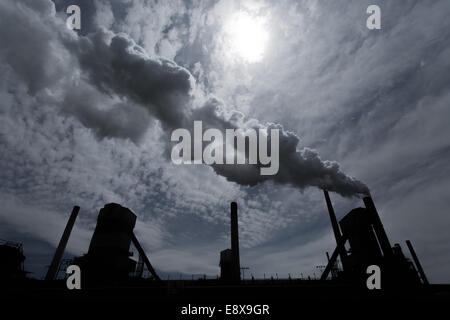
{"points": [[360, 237], [109, 253], [108, 259], [368, 244], [230, 269], [12, 261]]}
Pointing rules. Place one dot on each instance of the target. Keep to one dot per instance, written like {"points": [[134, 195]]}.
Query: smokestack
{"points": [[417, 262], [53, 269], [236, 267], [378, 227], [334, 223]]}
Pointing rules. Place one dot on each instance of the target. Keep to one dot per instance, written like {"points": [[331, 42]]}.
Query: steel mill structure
{"points": [[361, 241], [368, 244]]}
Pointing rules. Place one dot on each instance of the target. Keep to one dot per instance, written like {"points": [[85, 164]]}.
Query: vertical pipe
{"points": [[378, 227], [236, 269], [53, 269], [417, 262], [334, 223]]}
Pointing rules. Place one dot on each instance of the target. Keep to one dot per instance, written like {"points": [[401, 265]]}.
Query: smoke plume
{"points": [[121, 89], [116, 65]]}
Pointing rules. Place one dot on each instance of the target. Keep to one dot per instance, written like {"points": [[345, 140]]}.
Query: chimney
{"points": [[378, 227], [335, 226], [53, 269], [334, 223], [236, 268]]}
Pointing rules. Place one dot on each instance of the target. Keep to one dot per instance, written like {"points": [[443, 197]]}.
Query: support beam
{"points": [[417, 262], [378, 227], [333, 258], [330, 264], [144, 256], [54, 266], [334, 223], [236, 265]]}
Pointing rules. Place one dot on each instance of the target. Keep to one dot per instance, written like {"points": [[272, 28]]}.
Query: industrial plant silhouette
{"points": [[108, 269]]}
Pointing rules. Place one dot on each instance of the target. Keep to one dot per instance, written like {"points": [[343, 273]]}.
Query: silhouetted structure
{"points": [[109, 255], [378, 227], [226, 258], [334, 224], [236, 265], [143, 257], [54, 266], [369, 245], [11, 260], [364, 249], [417, 262], [108, 258], [109, 274], [230, 269]]}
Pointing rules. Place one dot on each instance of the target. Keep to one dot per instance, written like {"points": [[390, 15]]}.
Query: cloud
{"points": [[117, 66], [48, 224], [73, 131], [106, 116]]}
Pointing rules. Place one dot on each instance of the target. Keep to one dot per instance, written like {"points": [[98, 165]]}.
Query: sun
{"points": [[247, 36]]}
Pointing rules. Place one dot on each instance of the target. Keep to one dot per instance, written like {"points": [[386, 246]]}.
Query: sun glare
{"points": [[247, 36]]}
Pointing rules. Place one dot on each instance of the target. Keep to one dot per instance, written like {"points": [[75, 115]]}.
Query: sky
{"points": [[86, 117]]}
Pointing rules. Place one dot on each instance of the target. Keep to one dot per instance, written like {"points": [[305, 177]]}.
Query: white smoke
{"points": [[115, 71]]}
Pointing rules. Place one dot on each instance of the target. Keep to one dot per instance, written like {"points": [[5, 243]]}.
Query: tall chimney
{"points": [[334, 223], [378, 227], [53, 269], [236, 268]]}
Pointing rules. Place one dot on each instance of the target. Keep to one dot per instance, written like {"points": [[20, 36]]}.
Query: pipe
{"points": [[236, 269], [53, 269], [378, 227], [334, 223], [417, 262]]}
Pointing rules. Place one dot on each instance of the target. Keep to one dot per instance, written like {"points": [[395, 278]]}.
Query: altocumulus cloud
{"points": [[130, 82], [44, 152], [58, 89]]}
